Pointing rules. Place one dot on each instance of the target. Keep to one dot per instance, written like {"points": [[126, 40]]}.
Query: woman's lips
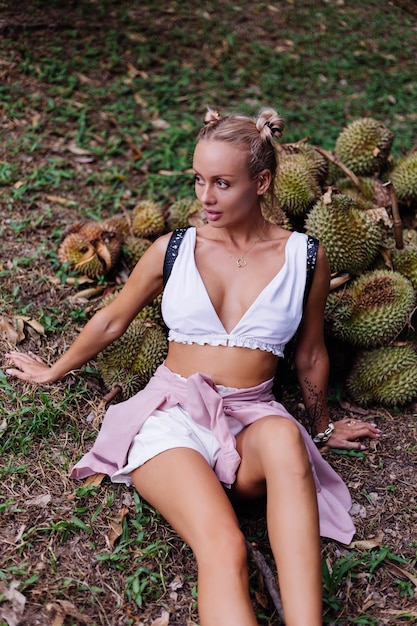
{"points": [[213, 215]]}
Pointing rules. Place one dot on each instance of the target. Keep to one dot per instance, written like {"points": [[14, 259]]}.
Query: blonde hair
{"points": [[254, 135]]}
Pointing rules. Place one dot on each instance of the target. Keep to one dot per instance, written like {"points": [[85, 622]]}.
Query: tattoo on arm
{"points": [[315, 406]]}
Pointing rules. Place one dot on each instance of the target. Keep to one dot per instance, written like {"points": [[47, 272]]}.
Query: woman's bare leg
{"points": [[275, 461], [180, 484]]}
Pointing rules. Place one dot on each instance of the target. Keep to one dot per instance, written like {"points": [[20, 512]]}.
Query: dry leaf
{"points": [[64, 608], [19, 327], [365, 544], [84, 294], [368, 544], [161, 621], [339, 280], [160, 124], [8, 331], [74, 149], [3, 426], [116, 527], [177, 583], [402, 573], [33, 324], [43, 500], [59, 200], [95, 480], [13, 613]]}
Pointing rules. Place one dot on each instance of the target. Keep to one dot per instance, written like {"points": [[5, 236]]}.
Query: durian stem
{"points": [[396, 217], [333, 159], [113, 393], [269, 578]]}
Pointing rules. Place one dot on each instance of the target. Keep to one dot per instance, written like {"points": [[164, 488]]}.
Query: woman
{"points": [[207, 428]]}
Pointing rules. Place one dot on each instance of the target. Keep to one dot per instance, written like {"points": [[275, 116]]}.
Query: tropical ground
{"points": [[100, 102]]}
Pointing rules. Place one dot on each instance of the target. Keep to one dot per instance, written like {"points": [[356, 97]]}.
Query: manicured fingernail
{"points": [[8, 371], [363, 447]]}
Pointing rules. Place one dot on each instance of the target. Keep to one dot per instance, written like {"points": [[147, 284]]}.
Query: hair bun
{"points": [[269, 124], [212, 116]]}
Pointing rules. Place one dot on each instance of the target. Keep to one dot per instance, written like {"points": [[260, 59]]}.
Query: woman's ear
{"points": [[264, 180]]}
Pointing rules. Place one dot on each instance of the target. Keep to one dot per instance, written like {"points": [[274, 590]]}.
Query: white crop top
{"points": [[268, 324]]}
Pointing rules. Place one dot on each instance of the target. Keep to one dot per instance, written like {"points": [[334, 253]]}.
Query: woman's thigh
{"points": [[181, 485]]}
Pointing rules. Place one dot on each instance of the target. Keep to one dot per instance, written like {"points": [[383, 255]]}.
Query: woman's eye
{"points": [[222, 184], [197, 179]]}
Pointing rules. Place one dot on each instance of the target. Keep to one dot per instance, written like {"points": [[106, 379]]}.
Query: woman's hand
{"points": [[30, 368], [347, 431]]}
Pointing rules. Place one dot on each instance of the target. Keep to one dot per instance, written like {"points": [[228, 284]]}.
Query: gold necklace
{"points": [[241, 260]]}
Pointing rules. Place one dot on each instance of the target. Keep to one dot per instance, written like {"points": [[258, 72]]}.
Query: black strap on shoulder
{"points": [[285, 362], [172, 252], [312, 249]]}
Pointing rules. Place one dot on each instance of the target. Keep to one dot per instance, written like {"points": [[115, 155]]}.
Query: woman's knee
{"points": [[224, 545], [281, 440]]}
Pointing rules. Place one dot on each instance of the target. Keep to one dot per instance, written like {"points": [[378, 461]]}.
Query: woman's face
{"points": [[222, 182]]}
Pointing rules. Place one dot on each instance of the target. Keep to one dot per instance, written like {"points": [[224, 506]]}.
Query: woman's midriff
{"points": [[231, 367]]}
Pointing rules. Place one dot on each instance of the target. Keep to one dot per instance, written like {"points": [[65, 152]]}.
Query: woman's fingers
{"points": [[29, 367]]}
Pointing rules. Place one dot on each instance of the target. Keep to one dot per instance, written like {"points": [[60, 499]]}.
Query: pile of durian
{"points": [[359, 201]]}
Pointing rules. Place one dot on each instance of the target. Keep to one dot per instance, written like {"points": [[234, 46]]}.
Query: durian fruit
{"points": [[152, 312], [364, 146], [272, 213], [296, 189], [184, 212], [121, 223], [350, 236], [90, 248], [404, 178], [133, 248], [316, 163], [148, 219], [372, 310], [404, 261], [386, 375], [130, 361]]}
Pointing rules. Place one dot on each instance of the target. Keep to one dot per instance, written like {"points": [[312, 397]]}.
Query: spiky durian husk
{"points": [[152, 312], [91, 248], [274, 214], [133, 248], [364, 146], [404, 261], [147, 219], [296, 189], [386, 375], [350, 236], [372, 310], [316, 163], [179, 213], [120, 223], [404, 178], [131, 360], [72, 250], [410, 236]]}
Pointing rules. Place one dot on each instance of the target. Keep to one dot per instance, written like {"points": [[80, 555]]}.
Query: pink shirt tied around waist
{"points": [[207, 407]]}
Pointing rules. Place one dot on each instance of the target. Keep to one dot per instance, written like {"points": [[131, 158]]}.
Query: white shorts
{"points": [[167, 429]]}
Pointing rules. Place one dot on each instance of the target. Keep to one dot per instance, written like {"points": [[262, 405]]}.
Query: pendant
{"points": [[240, 262]]}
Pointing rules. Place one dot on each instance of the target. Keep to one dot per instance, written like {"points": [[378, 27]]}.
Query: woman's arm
{"points": [[109, 323], [312, 365]]}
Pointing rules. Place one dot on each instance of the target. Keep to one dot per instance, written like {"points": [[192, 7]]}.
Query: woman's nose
{"points": [[206, 195]]}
